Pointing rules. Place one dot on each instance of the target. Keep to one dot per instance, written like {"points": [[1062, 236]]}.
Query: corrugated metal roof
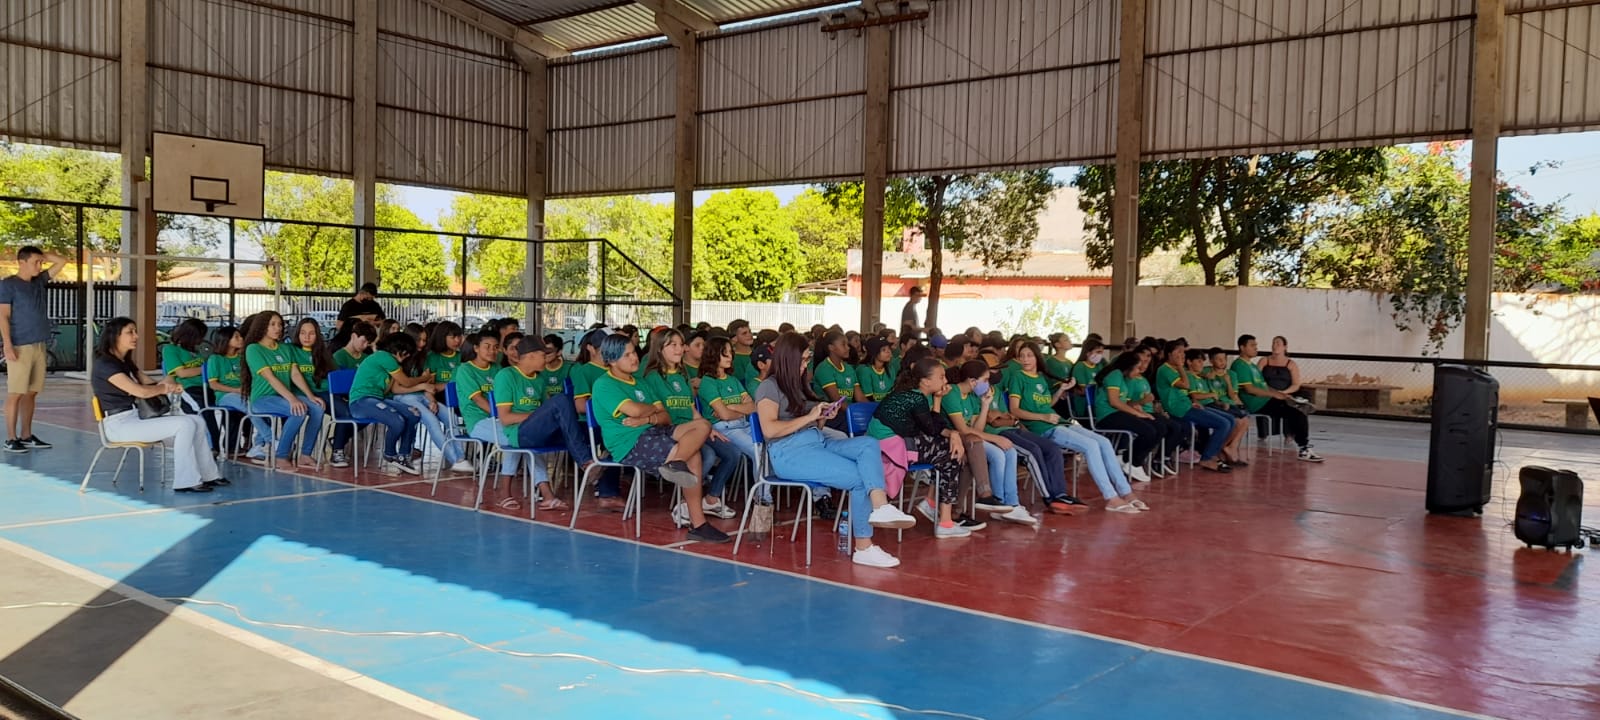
{"points": [[302, 131], [963, 40], [621, 88], [523, 12], [245, 42], [634, 157], [788, 63], [775, 144], [607, 26], [1551, 77], [90, 27], [416, 149], [58, 76], [431, 79], [728, 11], [1174, 25], [419, 19]]}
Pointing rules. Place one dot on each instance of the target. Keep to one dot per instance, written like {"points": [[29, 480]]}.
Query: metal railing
{"points": [[587, 280]]}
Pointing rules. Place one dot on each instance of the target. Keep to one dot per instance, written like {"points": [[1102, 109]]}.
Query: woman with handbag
{"points": [[137, 410]]}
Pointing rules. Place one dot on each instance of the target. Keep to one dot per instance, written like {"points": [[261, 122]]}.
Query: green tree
{"points": [[1407, 235], [49, 173], [745, 247], [407, 262], [1216, 209], [826, 234], [902, 208]]}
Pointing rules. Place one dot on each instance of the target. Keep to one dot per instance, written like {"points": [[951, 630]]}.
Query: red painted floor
{"points": [[1332, 572]]}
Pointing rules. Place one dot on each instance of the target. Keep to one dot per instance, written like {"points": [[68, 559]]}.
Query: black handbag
{"points": [[153, 407]]}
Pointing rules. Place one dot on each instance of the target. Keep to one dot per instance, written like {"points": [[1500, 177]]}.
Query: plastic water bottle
{"points": [[844, 532]]}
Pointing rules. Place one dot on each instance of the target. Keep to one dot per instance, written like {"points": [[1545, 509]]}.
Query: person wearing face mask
{"points": [[1091, 357], [1031, 402], [968, 405]]}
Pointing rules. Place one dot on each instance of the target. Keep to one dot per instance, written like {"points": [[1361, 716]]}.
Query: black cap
{"points": [[873, 347], [530, 344], [761, 354]]}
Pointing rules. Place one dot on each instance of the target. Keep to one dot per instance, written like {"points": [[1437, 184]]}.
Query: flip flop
{"points": [[510, 503]]}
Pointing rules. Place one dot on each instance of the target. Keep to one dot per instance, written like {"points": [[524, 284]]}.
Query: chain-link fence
{"points": [[426, 275]]}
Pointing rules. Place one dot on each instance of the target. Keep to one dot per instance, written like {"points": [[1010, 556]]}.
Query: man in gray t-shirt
{"points": [[24, 330]]}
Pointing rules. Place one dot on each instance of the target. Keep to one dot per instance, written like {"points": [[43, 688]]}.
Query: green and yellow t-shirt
{"points": [[1056, 368], [967, 405], [343, 359], [1138, 388], [1102, 397], [279, 361], [875, 385], [516, 392], [609, 394], [743, 369], [583, 379], [1245, 373], [372, 378], [1222, 385], [673, 391], [841, 377], [174, 358], [1032, 392], [1083, 373], [555, 378], [308, 369], [1199, 384], [442, 365], [224, 369], [1175, 399], [471, 381], [726, 390]]}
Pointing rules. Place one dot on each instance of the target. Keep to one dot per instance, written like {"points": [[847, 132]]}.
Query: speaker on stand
{"points": [[1466, 404]]}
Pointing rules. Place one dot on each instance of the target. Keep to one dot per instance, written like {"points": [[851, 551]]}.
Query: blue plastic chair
{"points": [[339, 383], [764, 476], [499, 449], [634, 503]]}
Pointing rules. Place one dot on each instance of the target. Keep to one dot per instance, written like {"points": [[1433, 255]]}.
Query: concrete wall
{"points": [[1527, 328], [1039, 317]]}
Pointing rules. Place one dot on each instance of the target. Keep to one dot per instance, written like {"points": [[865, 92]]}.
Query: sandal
{"points": [[552, 504], [510, 503]]}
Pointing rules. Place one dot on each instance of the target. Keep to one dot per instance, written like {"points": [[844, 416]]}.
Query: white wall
{"points": [[957, 314]]}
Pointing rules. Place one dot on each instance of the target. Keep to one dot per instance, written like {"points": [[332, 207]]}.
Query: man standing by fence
{"points": [[364, 307], [25, 328]]}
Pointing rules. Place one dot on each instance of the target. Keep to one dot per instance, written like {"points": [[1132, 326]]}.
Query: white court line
{"points": [[933, 603], [337, 673]]}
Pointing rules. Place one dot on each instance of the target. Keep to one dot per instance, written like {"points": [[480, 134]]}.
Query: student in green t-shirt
{"points": [[556, 367], [474, 380], [271, 379], [527, 419], [1261, 399], [1091, 357], [181, 360], [639, 432], [358, 339], [744, 341], [371, 399], [587, 368], [1222, 384], [967, 405], [1204, 395], [873, 377], [1113, 409], [1173, 386], [666, 382], [422, 388], [726, 398], [832, 378], [222, 375]]}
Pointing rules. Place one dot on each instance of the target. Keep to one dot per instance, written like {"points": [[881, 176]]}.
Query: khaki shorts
{"points": [[26, 374]]}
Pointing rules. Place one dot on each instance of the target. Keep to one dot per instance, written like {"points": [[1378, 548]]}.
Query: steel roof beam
{"points": [[521, 39]]}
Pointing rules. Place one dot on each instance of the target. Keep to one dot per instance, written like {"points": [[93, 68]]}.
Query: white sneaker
{"points": [[462, 466], [1136, 473], [954, 531], [1308, 455], [927, 510], [1017, 515], [874, 557], [720, 509], [889, 516], [680, 515], [390, 467], [258, 452]]}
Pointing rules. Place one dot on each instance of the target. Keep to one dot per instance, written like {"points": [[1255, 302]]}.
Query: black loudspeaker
{"points": [[1550, 510], [1466, 404]]}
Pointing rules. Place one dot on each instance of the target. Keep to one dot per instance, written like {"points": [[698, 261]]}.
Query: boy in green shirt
{"points": [[1260, 399], [528, 422]]}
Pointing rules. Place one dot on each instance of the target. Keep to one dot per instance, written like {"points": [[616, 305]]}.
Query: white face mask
{"points": [[1096, 357]]}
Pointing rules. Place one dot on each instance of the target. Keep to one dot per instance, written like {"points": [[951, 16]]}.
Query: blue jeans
{"points": [[1105, 466], [435, 421], [1002, 471], [399, 423], [850, 464], [553, 424], [1220, 424], [727, 457], [492, 432], [236, 402], [738, 433], [312, 420]]}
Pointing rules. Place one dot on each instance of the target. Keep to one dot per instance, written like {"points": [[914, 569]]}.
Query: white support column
{"points": [[875, 170], [139, 228], [364, 136], [1488, 42], [534, 181], [1125, 195]]}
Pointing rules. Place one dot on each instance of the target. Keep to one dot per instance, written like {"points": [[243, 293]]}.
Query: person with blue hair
{"points": [[638, 431]]}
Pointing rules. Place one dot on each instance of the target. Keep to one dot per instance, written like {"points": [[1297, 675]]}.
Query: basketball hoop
{"points": [[211, 191]]}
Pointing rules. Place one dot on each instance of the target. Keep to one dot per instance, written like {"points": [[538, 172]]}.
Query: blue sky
{"points": [[1573, 183]]}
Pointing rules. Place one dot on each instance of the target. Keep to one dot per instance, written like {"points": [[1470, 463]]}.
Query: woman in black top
{"points": [[117, 381], [911, 413]]}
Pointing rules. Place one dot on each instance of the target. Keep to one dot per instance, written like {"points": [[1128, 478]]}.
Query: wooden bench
{"points": [[1577, 410], [1334, 396]]}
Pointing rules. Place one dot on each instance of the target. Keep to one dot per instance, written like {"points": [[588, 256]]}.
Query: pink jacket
{"points": [[896, 458]]}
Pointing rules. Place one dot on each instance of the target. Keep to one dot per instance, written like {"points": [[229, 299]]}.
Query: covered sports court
{"points": [[1285, 589]]}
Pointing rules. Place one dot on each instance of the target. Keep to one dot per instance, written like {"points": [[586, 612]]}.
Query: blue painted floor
{"points": [[650, 622]]}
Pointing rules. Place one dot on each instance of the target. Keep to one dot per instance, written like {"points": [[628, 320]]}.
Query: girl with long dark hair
{"points": [[117, 382], [1113, 409], [912, 413], [667, 380], [422, 389], [222, 371], [370, 400], [1031, 402], [791, 420], [271, 379], [181, 360], [967, 404]]}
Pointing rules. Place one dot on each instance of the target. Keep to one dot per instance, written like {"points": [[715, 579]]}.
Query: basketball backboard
{"points": [[200, 176]]}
